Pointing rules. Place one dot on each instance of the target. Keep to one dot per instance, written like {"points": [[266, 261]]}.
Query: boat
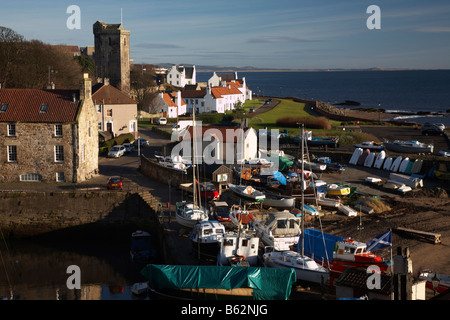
{"points": [[139, 288], [238, 248], [337, 189], [363, 157], [278, 201], [404, 165], [441, 174], [241, 217], [314, 166], [396, 164], [187, 214], [369, 160], [306, 268], [387, 163], [445, 153], [142, 250], [412, 146], [308, 210], [207, 190], [317, 141], [205, 238], [355, 156], [379, 160], [371, 145], [189, 282], [247, 193], [339, 253], [347, 210], [442, 280], [279, 230]]}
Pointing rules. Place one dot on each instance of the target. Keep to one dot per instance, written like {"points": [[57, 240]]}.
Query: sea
{"points": [[407, 91]]}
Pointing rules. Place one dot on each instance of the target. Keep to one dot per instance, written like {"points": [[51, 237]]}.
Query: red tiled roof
{"points": [[233, 136], [219, 92], [173, 96], [25, 104], [169, 98], [108, 94]]}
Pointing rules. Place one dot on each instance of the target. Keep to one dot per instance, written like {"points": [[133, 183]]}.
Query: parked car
{"points": [[220, 211], [116, 151], [142, 142], [162, 121], [128, 147], [433, 129], [114, 182]]}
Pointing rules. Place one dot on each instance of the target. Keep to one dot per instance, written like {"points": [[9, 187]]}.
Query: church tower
{"points": [[112, 54]]}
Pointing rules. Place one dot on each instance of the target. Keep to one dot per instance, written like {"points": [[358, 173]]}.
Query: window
{"points": [[60, 176], [89, 128], [30, 177], [11, 130], [99, 108], [12, 153], [99, 126], [4, 107], [59, 153], [44, 108], [58, 130], [109, 113]]}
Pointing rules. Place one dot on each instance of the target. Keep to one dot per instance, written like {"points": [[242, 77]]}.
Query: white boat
{"points": [[347, 210], [247, 193], [313, 166], [279, 230], [379, 160], [275, 200], [355, 156], [139, 288], [412, 146], [442, 280], [238, 248], [371, 145], [205, 238], [305, 267], [187, 214]]}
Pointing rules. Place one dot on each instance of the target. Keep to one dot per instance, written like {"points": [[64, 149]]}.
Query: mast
{"points": [[302, 248], [194, 186]]}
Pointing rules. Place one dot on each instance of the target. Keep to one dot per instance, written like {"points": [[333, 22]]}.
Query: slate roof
{"points": [[24, 105], [356, 278], [109, 94]]}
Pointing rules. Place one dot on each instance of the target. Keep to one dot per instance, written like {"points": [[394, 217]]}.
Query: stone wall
{"points": [[154, 171], [36, 213], [36, 151]]}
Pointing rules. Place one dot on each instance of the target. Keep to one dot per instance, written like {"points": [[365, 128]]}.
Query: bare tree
{"points": [[10, 49], [143, 85]]}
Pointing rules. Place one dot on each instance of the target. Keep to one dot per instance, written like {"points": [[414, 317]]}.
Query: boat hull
{"points": [[313, 276], [281, 202], [406, 149], [205, 250], [188, 223]]}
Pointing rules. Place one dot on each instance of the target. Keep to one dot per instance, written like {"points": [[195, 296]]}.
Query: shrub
{"points": [[310, 123]]}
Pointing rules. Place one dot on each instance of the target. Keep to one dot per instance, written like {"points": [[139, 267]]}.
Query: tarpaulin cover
{"points": [[314, 244], [267, 283], [284, 163]]}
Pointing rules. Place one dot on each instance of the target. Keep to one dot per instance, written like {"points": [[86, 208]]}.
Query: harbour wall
{"points": [[74, 213]]}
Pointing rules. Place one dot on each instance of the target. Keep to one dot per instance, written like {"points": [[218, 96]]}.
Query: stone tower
{"points": [[112, 54]]}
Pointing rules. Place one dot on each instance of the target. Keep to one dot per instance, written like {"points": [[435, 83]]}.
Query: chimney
{"points": [[51, 86], [85, 88], [106, 81], [178, 99]]}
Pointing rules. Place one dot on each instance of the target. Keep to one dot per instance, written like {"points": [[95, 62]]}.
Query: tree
{"points": [[144, 86], [10, 49]]}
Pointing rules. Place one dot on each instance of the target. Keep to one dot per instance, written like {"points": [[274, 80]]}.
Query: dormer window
{"points": [[44, 107], [4, 107]]}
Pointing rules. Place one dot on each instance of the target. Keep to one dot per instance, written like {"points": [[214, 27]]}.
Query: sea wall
{"points": [[155, 171], [24, 214]]}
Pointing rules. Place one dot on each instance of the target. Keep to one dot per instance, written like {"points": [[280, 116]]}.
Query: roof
{"points": [[24, 105], [227, 76], [192, 94], [169, 98], [356, 278], [109, 94], [223, 130], [219, 92]]}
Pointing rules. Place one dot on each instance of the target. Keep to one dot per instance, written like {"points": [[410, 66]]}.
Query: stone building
{"points": [[48, 135], [112, 54]]}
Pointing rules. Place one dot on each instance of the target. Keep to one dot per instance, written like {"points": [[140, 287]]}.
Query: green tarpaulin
{"points": [[284, 163], [267, 283]]}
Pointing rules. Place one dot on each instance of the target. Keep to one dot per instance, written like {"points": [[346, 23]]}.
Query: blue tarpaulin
{"points": [[318, 245]]}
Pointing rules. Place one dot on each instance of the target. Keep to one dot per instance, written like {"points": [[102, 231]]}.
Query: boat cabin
{"points": [[244, 244], [348, 248], [208, 231]]}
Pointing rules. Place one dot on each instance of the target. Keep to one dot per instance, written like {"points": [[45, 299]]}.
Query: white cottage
{"points": [[180, 76], [170, 104]]}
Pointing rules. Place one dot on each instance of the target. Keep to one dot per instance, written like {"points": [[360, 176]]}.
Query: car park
{"points": [[116, 151], [114, 182]]}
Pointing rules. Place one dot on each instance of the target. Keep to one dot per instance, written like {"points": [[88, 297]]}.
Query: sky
{"points": [[283, 34]]}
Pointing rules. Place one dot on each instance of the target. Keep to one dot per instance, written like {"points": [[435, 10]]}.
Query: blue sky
{"points": [[295, 34]]}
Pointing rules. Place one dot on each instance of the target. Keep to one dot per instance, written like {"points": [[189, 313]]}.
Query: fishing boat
{"points": [[305, 267], [279, 230], [412, 146], [371, 145], [187, 214], [142, 250], [205, 237], [238, 248], [338, 253], [207, 282], [442, 280], [241, 217], [337, 189], [320, 141], [314, 166], [247, 193], [278, 201], [308, 210]]}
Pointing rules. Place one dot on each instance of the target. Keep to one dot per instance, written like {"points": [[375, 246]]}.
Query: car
{"points": [[162, 121], [432, 131], [114, 182], [128, 147], [116, 151], [141, 142], [220, 211]]}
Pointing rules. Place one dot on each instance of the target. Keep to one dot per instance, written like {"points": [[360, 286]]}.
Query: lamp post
{"points": [[139, 151]]}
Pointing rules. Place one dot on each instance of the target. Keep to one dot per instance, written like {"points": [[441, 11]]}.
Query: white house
{"points": [[170, 104], [221, 99], [230, 78], [195, 99], [180, 76], [220, 145]]}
